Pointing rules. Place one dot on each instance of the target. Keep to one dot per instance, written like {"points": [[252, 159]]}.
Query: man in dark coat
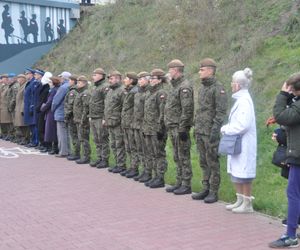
{"points": [[24, 24], [7, 23], [33, 28], [48, 30]]}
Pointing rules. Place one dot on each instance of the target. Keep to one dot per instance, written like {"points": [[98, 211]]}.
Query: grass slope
{"points": [[144, 34]]}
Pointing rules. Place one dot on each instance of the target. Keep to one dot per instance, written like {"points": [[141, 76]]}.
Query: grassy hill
{"points": [[144, 34]]}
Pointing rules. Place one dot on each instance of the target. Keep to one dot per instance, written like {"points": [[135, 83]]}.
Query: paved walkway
{"points": [[51, 203]]}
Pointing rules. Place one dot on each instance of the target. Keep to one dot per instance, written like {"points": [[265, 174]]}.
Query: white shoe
{"points": [[246, 206], [239, 201]]}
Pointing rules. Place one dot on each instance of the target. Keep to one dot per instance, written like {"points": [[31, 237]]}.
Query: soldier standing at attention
{"points": [[211, 112], [179, 112], [155, 132], [96, 114], [112, 120], [69, 119], [138, 117], [130, 89], [80, 111]]}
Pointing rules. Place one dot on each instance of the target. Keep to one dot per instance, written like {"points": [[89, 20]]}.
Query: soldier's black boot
{"points": [[146, 177], [95, 163], [138, 177], [84, 160], [132, 173], [183, 190], [148, 183], [112, 169], [212, 197], [103, 164], [54, 149], [118, 169], [157, 183], [124, 172], [73, 157], [203, 193], [171, 189]]}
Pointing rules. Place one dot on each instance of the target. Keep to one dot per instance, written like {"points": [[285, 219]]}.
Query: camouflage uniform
{"points": [[72, 128], [96, 114], [211, 112], [112, 114], [179, 111], [154, 130], [80, 112], [12, 94], [137, 125], [126, 123]]}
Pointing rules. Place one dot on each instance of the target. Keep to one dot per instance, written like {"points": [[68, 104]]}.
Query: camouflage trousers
{"points": [[6, 129], [117, 145], [140, 147], [130, 147], [101, 139], [23, 133], [73, 138], [84, 139], [209, 162], [182, 157], [156, 155]]}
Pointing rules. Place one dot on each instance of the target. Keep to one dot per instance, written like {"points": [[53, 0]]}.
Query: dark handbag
{"points": [[230, 145], [279, 156]]}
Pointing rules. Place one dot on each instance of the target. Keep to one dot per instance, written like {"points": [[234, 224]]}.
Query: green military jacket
{"points": [[128, 106], [155, 101], [290, 118], [81, 106], [96, 105], [11, 96], [69, 102], [211, 107], [138, 109], [113, 105], [179, 108]]}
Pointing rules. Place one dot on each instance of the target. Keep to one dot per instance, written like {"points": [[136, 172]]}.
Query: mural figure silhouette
{"points": [[48, 30], [24, 24], [33, 28], [61, 30], [7, 23]]}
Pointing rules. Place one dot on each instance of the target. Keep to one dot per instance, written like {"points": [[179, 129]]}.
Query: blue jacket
{"points": [[29, 109], [58, 102]]}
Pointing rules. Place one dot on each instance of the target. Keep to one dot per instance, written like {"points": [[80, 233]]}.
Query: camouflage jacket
{"points": [[96, 105], [11, 96], [81, 106], [138, 109], [113, 105], [179, 109], [211, 107], [69, 102], [128, 105], [155, 101]]}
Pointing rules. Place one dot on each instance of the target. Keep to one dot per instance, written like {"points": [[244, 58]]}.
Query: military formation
{"points": [[129, 116]]}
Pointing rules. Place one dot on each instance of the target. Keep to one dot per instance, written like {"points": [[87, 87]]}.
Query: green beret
{"points": [[132, 75], [143, 74], [175, 63], [157, 72], [208, 62], [114, 73], [82, 79], [99, 71]]}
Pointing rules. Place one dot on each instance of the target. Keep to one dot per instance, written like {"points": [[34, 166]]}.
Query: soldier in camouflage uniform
{"points": [[130, 89], [69, 119], [80, 112], [138, 117], [112, 120], [211, 112], [12, 94], [179, 111], [96, 114], [155, 132]]}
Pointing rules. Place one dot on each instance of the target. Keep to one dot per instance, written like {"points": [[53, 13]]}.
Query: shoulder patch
{"points": [[222, 91], [162, 96], [184, 90], [84, 94], [106, 89]]}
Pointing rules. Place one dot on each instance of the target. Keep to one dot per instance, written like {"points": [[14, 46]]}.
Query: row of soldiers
{"points": [[133, 116]]}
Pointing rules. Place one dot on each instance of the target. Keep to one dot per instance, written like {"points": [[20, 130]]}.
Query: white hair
{"points": [[46, 78], [243, 78]]}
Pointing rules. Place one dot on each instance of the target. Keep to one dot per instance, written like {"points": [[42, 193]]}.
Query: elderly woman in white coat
{"points": [[242, 167]]}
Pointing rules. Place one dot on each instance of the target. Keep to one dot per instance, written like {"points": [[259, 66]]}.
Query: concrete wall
{"points": [[23, 27]]}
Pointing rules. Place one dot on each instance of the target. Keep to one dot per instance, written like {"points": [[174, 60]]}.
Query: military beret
{"points": [[82, 79], [294, 81], [114, 73], [21, 76], [99, 71], [208, 62], [143, 74], [4, 76], [132, 75], [29, 70], [73, 77], [175, 63], [39, 71], [55, 80], [157, 72], [11, 75]]}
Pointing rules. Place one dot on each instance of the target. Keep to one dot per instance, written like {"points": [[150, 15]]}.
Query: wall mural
{"points": [[25, 26]]}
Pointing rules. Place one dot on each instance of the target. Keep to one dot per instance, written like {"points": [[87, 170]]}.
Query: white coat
{"points": [[242, 121]]}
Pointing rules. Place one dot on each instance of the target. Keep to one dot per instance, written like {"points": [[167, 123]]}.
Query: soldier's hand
{"points": [[160, 136], [183, 136]]}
